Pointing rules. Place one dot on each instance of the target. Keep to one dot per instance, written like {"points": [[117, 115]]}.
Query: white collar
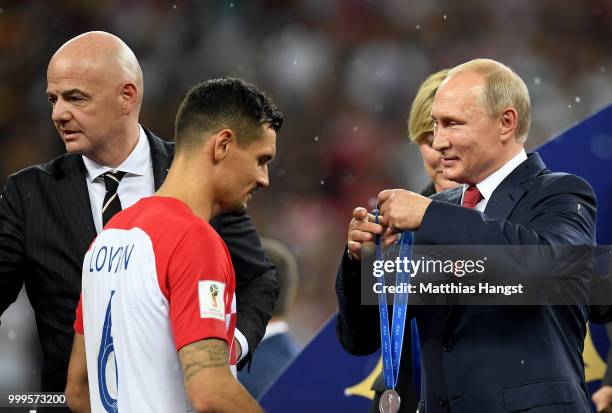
{"points": [[275, 327], [137, 163], [491, 182]]}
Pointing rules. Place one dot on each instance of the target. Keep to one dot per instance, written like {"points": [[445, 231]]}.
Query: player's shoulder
{"points": [[174, 218], [152, 215], [190, 238], [198, 230]]}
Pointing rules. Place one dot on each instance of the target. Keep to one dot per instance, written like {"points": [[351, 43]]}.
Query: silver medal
{"points": [[389, 402]]}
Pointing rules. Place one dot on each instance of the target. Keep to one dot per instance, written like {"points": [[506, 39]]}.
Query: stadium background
{"points": [[344, 74]]}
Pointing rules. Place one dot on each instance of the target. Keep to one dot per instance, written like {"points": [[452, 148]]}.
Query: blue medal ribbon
{"points": [[392, 341]]}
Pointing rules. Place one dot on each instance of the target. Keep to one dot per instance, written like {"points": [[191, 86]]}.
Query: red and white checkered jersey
{"points": [[156, 279]]}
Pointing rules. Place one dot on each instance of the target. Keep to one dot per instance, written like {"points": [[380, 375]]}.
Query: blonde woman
{"points": [[420, 131]]}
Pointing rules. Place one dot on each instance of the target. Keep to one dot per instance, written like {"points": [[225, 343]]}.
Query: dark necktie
{"points": [[111, 204], [471, 197]]}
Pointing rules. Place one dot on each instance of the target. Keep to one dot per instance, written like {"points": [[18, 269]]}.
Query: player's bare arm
{"points": [[209, 382], [77, 385], [202, 355]]}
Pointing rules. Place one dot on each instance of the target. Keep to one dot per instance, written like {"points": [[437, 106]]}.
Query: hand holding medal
{"points": [[361, 232]]}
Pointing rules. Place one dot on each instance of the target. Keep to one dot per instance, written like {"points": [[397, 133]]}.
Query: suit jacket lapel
{"points": [[503, 201], [511, 190], [73, 199], [162, 153]]}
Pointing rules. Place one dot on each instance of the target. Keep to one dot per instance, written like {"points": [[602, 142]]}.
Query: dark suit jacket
{"points": [[46, 227], [494, 358], [273, 356]]}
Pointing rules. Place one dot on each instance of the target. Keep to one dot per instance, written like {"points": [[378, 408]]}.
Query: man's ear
{"points": [[509, 122], [223, 142], [129, 97]]}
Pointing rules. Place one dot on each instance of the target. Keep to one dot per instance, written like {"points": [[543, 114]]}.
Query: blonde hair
{"points": [[502, 89], [419, 120]]}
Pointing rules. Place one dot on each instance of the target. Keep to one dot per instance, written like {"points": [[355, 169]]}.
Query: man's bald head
{"points": [[102, 55], [94, 84]]}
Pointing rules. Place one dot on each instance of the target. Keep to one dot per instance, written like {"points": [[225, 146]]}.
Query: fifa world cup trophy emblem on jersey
{"points": [[214, 292]]}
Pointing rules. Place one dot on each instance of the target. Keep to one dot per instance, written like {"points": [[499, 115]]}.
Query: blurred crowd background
{"points": [[343, 72]]}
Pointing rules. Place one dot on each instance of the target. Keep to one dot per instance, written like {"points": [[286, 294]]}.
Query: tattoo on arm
{"points": [[203, 354]]}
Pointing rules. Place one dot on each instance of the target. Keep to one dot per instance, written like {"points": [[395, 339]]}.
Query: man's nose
{"points": [[60, 112], [263, 179], [440, 141]]}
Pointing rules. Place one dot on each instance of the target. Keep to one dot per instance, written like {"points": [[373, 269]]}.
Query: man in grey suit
{"points": [[50, 213]]}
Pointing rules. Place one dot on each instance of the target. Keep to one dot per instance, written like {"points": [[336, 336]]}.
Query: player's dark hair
{"points": [[224, 103]]}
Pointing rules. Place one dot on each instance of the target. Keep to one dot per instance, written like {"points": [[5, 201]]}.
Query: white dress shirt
{"points": [[137, 183], [490, 183]]}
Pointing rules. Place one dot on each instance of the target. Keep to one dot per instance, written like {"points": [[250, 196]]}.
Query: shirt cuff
{"points": [[244, 344]]}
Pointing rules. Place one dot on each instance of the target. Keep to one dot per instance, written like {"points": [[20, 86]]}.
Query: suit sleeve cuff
{"points": [[244, 344]]}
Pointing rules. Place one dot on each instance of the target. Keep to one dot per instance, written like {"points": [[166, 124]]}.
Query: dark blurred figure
{"points": [[277, 349]]}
